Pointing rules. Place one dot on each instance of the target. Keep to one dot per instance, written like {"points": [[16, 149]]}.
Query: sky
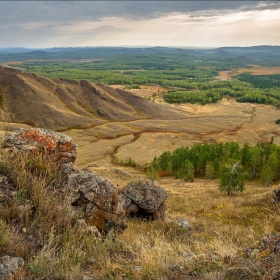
{"points": [[45, 24]]}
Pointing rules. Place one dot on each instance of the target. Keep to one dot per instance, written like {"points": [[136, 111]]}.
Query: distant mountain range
{"points": [[78, 53]]}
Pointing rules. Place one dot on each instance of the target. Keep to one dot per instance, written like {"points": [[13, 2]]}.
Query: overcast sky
{"points": [[43, 24]]}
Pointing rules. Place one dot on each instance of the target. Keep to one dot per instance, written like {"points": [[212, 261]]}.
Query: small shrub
{"points": [[152, 173], [4, 233]]}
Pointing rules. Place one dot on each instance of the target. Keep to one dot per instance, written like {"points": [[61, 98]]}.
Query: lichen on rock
{"points": [[144, 199], [40, 139]]}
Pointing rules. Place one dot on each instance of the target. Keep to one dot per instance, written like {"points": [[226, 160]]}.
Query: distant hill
{"points": [[263, 49], [62, 104], [267, 54]]}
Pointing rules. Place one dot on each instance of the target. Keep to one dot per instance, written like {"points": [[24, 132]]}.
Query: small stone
{"points": [[4, 180], [185, 224], [12, 268], [23, 209], [24, 229]]}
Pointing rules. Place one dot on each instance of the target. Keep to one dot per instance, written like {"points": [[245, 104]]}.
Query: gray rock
{"points": [[24, 209], [185, 224], [147, 199], [4, 180], [122, 173], [54, 143], [99, 199], [12, 268]]}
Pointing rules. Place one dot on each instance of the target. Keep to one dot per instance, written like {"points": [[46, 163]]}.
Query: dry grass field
{"points": [[141, 140]]}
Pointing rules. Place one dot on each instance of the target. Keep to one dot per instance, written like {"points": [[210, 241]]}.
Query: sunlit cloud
{"points": [[184, 24]]}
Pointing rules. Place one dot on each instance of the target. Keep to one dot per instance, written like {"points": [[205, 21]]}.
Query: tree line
{"points": [[229, 162]]}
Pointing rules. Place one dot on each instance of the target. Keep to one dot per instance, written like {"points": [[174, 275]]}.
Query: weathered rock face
{"points": [[12, 268], [29, 140], [267, 251], [99, 198], [144, 199]]}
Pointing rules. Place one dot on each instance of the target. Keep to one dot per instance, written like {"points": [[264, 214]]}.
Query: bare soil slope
{"points": [[64, 104]]}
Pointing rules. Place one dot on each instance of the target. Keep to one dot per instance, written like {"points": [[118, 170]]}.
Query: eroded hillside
{"points": [[64, 104]]}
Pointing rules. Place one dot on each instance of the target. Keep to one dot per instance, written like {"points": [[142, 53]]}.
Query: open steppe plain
{"points": [[141, 140]]}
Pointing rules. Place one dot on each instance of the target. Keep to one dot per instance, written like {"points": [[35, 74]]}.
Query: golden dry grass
{"points": [[143, 139], [222, 226]]}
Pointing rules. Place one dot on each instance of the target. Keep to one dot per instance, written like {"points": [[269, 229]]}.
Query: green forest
{"points": [[188, 74], [228, 161]]}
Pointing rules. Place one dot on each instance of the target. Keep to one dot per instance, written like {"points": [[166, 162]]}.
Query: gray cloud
{"points": [[58, 23], [18, 12]]}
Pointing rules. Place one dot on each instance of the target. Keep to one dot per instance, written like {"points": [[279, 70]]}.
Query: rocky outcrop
{"points": [[99, 199], [12, 268], [39, 139], [267, 252], [144, 199]]}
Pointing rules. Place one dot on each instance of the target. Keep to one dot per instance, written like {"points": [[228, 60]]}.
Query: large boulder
{"points": [[144, 199], [40, 139], [99, 199], [12, 268]]}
